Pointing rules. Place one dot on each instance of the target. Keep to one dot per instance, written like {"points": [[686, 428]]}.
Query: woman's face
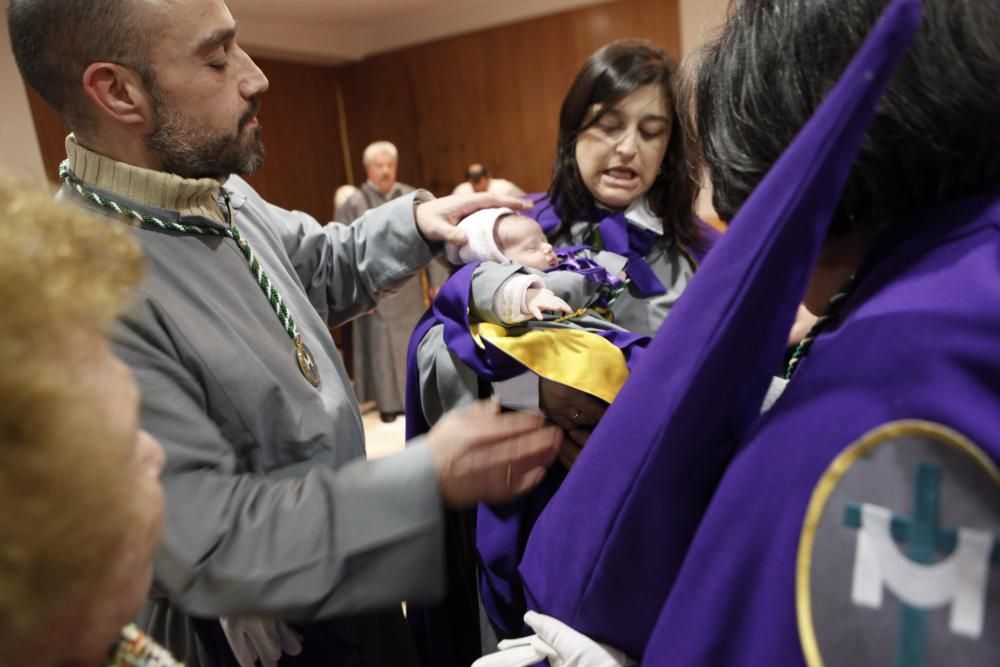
{"points": [[619, 155], [115, 401]]}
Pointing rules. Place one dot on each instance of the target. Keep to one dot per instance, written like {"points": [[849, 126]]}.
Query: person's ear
{"points": [[118, 94]]}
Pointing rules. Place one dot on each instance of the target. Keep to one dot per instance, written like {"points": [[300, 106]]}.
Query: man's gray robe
{"points": [[271, 509]]}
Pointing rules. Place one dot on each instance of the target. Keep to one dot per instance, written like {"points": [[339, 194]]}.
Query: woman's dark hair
{"points": [[936, 136], [611, 74]]}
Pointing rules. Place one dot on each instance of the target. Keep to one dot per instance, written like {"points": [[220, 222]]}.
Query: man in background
{"points": [[381, 161], [478, 179], [379, 339]]}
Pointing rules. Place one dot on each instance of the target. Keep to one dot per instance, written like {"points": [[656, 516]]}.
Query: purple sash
{"points": [[619, 237]]}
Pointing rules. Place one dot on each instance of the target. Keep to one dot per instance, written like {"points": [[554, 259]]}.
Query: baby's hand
{"points": [[539, 299]]}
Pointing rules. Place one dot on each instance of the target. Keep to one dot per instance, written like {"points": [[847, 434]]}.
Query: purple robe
{"points": [[917, 339], [606, 551]]}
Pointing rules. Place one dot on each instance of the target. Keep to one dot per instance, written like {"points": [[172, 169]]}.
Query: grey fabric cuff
{"points": [[423, 196]]}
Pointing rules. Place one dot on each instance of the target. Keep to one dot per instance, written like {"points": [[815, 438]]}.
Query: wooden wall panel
{"points": [[490, 96], [303, 166], [381, 105], [51, 131]]}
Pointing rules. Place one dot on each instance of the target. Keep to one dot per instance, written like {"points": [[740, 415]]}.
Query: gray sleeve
{"points": [[364, 536], [445, 382], [571, 287], [486, 281], [612, 262], [346, 269], [351, 209]]}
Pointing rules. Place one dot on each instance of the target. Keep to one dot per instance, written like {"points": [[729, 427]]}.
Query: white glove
{"points": [[519, 652], [560, 644], [260, 640], [572, 649]]}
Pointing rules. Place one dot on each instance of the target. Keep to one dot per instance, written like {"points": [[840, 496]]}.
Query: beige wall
{"points": [[19, 152], [698, 19]]}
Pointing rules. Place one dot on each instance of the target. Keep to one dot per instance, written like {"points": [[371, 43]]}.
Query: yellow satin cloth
{"points": [[573, 357]]}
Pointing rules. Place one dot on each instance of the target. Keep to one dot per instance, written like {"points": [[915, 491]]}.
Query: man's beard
{"points": [[182, 147]]}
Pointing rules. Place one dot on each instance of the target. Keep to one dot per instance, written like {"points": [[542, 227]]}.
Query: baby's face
{"points": [[522, 240]]}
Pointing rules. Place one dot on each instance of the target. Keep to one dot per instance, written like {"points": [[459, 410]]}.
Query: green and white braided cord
{"points": [[273, 297], [831, 311]]}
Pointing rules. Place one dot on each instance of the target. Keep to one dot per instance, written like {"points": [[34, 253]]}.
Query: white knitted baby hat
{"points": [[481, 246]]}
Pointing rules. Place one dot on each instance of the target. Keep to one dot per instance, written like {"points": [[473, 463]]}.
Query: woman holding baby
{"points": [[620, 184], [620, 180]]}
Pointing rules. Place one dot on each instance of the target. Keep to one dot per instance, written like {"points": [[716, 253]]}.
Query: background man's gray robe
{"points": [[379, 339]]}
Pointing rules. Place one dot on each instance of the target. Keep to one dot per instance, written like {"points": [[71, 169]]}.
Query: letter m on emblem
{"points": [[959, 579]]}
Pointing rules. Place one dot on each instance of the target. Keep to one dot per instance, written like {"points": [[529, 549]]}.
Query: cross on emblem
{"points": [[969, 551]]}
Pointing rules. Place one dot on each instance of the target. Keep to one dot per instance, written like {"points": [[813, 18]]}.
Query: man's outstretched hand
{"points": [[436, 219], [483, 455]]}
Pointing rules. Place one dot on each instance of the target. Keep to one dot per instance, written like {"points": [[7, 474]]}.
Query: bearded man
{"points": [[271, 510]]}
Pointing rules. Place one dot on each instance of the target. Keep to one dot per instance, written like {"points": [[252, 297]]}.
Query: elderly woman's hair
{"points": [[63, 277], [611, 74], [936, 137], [377, 148]]}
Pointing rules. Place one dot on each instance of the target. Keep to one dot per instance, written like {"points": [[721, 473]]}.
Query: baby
{"points": [[524, 276]]}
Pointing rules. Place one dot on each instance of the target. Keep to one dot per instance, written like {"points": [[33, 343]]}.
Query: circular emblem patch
{"points": [[899, 559]]}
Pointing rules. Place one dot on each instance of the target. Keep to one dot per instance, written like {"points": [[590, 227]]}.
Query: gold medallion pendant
{"points": [[307, 364]]}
